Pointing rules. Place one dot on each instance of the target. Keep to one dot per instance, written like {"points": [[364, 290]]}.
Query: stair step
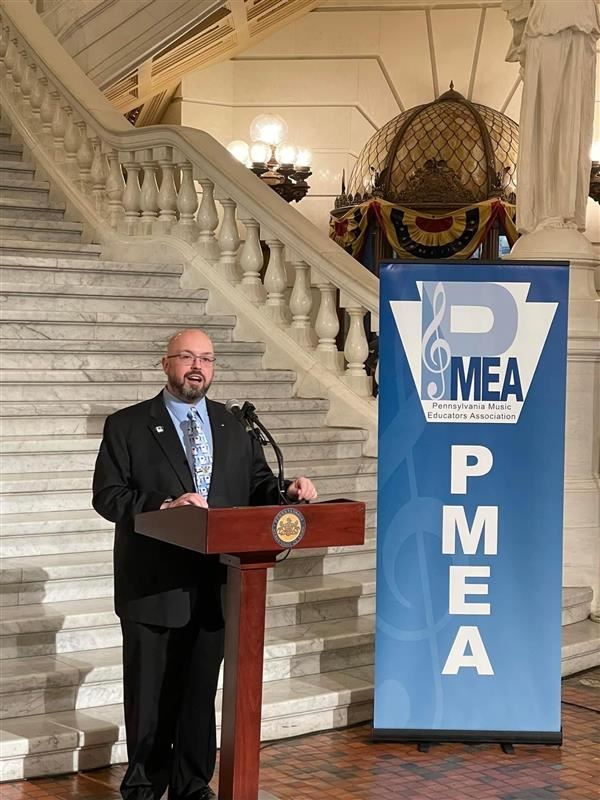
{"points": [[72, 490], [17, 170], [34, 523], [89, 624], [65, 576], [20, 189], [81, 298], [576, 603], [65, 267], [10, 151], [41, 534], [30, 209], [60, 358], [69, 418], [30, 453], [88, 275], [67, 741], [38, 230], [134, 388], [48, 684], [10, 246], [109, 327], [580, 647]]}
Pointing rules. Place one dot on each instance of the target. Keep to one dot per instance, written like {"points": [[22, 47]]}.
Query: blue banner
{"points": [[472, 378]]}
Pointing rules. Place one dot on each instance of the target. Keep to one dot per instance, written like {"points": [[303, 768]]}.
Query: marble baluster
{"points": [[301, 304], [208, 220], [17, 74], [85, 157], [47, 115], [276, 284], [251, 262], [27, 84], [229, 242], [132, 195], [327, 324], [71, 144], [10, 59], [167, 195], [356, 349], [59, 127], [4, 41], [187, 205], [115, 189], [149, 194], [35, 99], [98, 177]]}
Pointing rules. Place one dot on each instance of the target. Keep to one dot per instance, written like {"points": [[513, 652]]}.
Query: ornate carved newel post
{"points": [[556, 46]]}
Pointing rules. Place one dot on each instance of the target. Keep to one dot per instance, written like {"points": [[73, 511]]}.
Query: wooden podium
{"points": [[249, 540]]}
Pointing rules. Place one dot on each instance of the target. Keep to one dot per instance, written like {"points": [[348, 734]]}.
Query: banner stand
{"points": [[472, 390]]}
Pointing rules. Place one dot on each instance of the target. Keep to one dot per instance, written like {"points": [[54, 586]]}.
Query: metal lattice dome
{"points": [[445, 153]]}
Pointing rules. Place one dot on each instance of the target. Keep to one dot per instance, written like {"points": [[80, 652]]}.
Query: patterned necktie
{"points": [[200, 453]]}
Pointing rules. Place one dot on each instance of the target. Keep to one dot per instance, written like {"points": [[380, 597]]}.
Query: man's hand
{"points": [[188, 499], [302, 489]]}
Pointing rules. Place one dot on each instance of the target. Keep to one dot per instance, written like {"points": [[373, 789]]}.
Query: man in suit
{"points": [[176, 449]]}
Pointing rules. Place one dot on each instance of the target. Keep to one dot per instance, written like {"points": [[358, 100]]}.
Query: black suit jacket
{"points": [[140, 464]]}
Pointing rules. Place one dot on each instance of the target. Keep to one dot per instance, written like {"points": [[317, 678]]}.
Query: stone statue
{"points": [[555, 45]]}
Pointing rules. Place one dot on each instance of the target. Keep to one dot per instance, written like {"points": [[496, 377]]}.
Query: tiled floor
{"points": [[346, 765]]}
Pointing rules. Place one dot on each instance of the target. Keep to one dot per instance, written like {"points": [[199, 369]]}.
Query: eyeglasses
{"points": [[206, 359]]}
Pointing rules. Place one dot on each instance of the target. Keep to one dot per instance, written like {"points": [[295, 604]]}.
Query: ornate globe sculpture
{"points": [[434, 159], [439, 155]]}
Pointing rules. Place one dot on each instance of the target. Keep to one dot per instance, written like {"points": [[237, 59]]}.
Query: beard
{"points": [[189, 391]]}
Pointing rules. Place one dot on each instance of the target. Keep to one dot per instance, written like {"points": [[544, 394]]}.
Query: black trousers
{"points": [[170, 680]]}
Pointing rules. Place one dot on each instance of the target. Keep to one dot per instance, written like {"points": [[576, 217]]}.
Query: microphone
{"points": [[235, 407], [246, 415]]}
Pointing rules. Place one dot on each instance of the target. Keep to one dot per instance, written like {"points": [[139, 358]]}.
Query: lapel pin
{"points": [[159, 429]]}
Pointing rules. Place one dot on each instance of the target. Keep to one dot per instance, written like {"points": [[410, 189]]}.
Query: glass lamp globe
{"points": [[239, 149], [269, 128], [260, 153], [304, 157], [286, 153]]}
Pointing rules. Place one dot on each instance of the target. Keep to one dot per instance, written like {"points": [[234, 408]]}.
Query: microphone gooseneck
{"points": [[246, 414]]}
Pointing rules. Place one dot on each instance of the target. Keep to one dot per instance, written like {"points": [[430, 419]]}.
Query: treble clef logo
{"points": [[435, 350]]}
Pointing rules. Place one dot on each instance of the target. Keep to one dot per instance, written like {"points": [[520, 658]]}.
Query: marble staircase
{"points": [[82, 337]]}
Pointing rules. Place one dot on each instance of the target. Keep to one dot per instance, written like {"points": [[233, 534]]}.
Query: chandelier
{"points": [[280, 164]]}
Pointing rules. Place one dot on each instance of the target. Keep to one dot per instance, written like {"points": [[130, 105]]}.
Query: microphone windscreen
{"points": [[234, 407]]}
